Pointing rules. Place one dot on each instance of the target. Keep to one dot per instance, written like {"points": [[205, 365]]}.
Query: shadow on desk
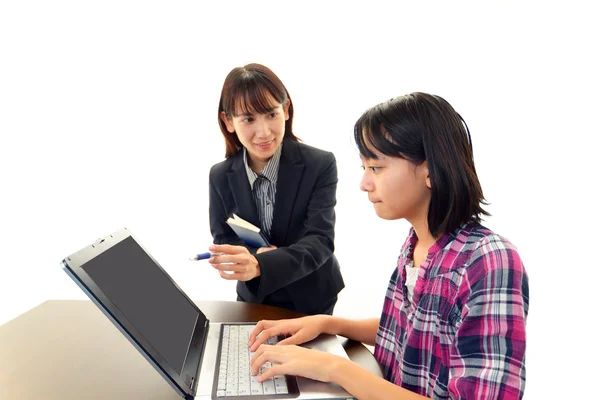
{"points": [[68, 349]]}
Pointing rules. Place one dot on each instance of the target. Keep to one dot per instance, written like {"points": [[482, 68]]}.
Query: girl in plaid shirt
{"points": [[453, 321]]}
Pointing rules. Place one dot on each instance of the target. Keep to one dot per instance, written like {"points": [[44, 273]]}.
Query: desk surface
{"points": [[68, 349]]}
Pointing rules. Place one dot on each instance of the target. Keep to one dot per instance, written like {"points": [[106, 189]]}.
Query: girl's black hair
{"points": [[423, 127]]}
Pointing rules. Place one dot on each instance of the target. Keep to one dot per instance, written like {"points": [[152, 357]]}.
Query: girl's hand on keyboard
{"points": [[301, 330], [294, 360]]}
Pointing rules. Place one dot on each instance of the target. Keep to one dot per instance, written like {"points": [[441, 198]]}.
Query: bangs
{"points": [[370, 132], [253, 97]]}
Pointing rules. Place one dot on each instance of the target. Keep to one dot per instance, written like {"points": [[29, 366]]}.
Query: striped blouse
{"points": [[264, 186], [462, 336]]}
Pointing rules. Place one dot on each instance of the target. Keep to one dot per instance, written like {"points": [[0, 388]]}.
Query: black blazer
{"points": [[303, 270]]}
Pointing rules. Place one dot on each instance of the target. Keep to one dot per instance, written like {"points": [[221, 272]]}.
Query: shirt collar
{"points": [[269, 171]]}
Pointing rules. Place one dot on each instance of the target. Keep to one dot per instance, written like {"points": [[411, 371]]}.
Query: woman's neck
{"points": [[257, 165]]}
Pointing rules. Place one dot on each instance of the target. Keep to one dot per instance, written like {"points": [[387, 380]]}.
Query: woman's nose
{"points": [[262, 128]]}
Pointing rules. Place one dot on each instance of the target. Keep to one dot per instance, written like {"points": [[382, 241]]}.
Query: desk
{"points": [[68, 349]]}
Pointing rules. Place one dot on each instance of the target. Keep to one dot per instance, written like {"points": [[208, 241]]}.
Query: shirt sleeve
{"points": [[487, 360]]}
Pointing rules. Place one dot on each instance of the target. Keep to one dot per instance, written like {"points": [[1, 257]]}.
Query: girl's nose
{"points": [[366, 184]]}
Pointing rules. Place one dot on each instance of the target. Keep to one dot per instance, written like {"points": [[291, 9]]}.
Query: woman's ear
{"points": [[286, 109], [227, 122]]}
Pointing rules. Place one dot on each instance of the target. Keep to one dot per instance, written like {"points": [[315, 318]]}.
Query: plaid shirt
{"points": [[463, 334]]}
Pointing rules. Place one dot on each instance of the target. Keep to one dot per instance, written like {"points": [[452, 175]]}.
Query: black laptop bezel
{"points": [[185, 382]]}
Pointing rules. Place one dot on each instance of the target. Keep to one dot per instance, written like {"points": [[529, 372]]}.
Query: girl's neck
{"points": [[424, 238]]}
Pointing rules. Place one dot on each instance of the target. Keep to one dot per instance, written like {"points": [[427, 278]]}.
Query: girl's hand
{"points": [[301, 330], [294, 360], [234, 262]]}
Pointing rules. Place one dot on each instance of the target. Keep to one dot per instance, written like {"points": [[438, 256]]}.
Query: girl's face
{"points": [[260, 134], [396, 187]]}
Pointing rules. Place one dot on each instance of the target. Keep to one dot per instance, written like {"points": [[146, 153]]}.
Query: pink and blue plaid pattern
{"points": [[463, 334]]}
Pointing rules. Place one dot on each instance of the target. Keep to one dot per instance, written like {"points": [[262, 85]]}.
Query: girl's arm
{"points": [[361, 330], [302, 330], [363, 385], [318, 365]]}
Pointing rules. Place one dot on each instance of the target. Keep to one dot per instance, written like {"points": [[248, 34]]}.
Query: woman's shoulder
{"points": [[221, 168], [310, 152]]}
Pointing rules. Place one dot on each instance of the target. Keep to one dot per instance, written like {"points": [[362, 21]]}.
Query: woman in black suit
{"points": [[280, 185]]}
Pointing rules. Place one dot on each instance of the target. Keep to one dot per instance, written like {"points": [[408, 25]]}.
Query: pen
{"points": [[204, 256]]}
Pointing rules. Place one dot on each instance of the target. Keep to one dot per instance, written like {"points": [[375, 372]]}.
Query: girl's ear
{"points": [[227, 122], [426, 173]]}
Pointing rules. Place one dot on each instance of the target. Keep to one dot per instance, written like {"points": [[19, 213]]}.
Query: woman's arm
{"points": [[221, 232], [316, 244]]}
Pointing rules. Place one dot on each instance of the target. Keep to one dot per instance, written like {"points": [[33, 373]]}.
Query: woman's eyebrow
{"points": [[249, 114]]}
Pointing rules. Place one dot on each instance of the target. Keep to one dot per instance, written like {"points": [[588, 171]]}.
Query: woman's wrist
{"points": [[257, 267]]}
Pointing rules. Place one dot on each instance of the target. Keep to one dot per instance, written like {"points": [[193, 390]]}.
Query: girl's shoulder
{"points": [[487, 252]]}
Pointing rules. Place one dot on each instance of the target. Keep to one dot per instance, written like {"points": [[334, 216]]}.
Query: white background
{"points": [[108, 118]]}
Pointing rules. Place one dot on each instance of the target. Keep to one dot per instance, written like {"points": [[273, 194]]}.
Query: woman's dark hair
{"points": [[423, 127], [246, 90]]}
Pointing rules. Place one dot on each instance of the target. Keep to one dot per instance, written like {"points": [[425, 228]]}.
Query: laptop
{"points": [[198, 358]]}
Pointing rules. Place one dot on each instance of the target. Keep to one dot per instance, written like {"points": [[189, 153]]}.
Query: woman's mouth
{"points": [[264, 145]]}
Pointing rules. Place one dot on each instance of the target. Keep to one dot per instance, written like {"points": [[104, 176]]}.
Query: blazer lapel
{"points": [[291, 167], [241, 191]]}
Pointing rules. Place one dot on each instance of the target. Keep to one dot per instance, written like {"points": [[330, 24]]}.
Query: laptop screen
{"points": [[142, 292]]}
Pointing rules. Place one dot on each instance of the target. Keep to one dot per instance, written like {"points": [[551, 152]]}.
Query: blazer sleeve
{"points": [[221, 232], [285, 265]]}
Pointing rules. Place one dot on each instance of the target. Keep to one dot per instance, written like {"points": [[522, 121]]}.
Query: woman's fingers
{"points": [[228, 249], [229, 258]]}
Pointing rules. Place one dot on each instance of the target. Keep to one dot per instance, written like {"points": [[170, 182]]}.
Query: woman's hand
{"points": [[301, 330], [264, 249], [294, 360], [234, 262]]}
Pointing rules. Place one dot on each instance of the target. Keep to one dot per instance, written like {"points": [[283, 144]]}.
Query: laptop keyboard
{"points": [[235, 377]]}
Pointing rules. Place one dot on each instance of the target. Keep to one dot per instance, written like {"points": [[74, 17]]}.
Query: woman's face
{"points": [[260, 134]]}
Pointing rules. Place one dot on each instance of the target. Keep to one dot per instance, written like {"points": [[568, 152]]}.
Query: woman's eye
{"points": [[272, 115], [248, 120], [375, 169]]}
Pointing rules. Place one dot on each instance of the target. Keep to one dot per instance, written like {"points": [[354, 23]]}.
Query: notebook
{"points": [[135, 293], [249, 233]]}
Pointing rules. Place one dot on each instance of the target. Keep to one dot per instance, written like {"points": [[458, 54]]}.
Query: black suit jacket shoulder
{"points": [[303, 268]]}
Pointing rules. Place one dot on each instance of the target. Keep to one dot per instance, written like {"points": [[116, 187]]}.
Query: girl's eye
{"points": [[272, 115], [374, 169], [248, 120]]}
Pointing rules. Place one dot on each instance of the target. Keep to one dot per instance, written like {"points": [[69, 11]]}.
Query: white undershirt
{"points": [[411, 279]]}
